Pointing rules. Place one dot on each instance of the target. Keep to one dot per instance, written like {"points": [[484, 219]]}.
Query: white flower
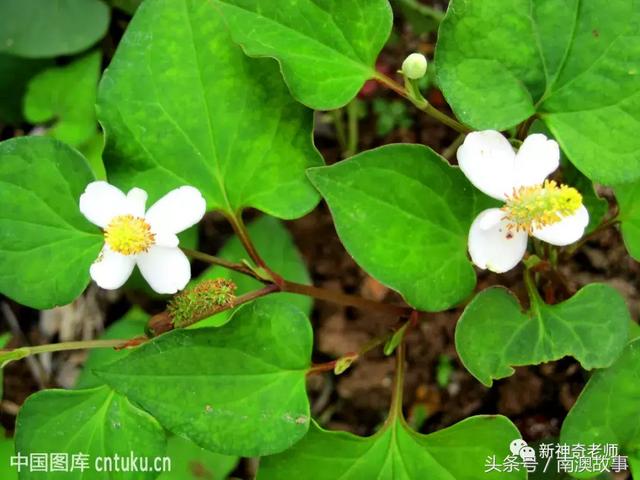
{"points": [[133, 237], [533, 205], [414, 66]]}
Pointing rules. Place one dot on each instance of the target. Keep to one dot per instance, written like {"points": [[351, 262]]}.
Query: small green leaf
{"points": [[97, 422], [190, 462], [493, 334], [236, 390], [15, 73], [607, 410], [398, 453], [129, 326], [327, 50], [395, 340], [186, 106], [68, 96], [628, 196], [46, 245], [48, 28], [573, 65], [404, 215], [277, 249]]}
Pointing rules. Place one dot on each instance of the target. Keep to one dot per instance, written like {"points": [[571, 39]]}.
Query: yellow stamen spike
{"points": [[530, 208], [129, 235]]}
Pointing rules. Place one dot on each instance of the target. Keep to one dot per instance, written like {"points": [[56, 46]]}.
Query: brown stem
{"points": [[322, 367], [241, 231], [425, 106], [162, 322], [205, 257], [344, 299]]}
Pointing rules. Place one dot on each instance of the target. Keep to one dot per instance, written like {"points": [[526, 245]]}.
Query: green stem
{"points": [[353, 131], [395, 410], [425, 106], [7, 356], [338, 123]]}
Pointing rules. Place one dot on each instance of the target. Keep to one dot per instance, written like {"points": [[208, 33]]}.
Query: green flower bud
{"points": [[414, 66]]}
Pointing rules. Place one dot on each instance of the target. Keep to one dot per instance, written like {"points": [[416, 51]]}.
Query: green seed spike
{"points": [[205, 299]]}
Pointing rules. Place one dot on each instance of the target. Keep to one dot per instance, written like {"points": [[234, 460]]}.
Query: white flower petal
{"points": [[567, 231], [487, 159], [137, 201], [112, 269], [167, 270], [492, 245], [537, 158], [101, 201], [167, 240], [177, 210]]}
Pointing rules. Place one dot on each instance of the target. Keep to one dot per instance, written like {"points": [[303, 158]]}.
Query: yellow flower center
{"points": [[530, 208], [129, 235]]}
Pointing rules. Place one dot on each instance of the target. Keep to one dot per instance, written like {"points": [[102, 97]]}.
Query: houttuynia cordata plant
{"points": [[328, 239]]}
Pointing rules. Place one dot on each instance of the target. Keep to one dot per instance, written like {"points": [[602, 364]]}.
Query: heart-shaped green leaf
{"points": [[608, 411], [327, 49], [628, 196], [277, 249], [238, 389], [48, 28], [404, 215], [96, 423], [46, 245], [398, 453], [67, 95], [493, 334], [573, 65], [181, 104]]}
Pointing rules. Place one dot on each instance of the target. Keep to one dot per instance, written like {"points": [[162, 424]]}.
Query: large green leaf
{"points": [[277, 249], [493, 334], [15, 73], [237, 390], [190, 462], [628, 196], [129, 326], [404, 215], [574, 63], [608, 411], [97, 422], [397, 453], [181, 104], [326, 49], [68, 96], [46, 245], [48, 28]]}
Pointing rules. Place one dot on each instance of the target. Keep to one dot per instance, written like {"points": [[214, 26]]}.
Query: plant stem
{"points": [[353, 131], [241, 231], [7, 356], [344, 299], [205, 257], [338, 124], [425, 106], [395, 410]]}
